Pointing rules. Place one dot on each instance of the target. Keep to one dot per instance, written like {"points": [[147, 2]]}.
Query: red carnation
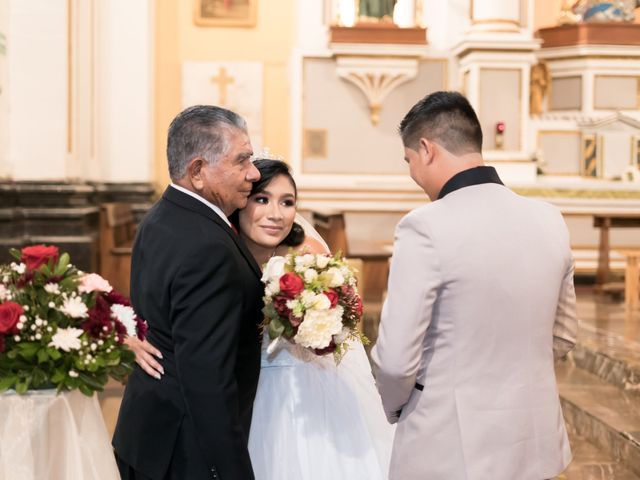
{"points": [[358, 305], [9, 317], [326, 350], [142, 328], [291, 285], [37, 255], [114, 297], [280, 304], [332, 296], [99, 318]]}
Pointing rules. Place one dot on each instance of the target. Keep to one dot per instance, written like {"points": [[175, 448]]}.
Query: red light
{"points": [[500, 127]]}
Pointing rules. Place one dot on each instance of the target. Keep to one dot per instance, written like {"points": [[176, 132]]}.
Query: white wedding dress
{"points": [[313, 420]]}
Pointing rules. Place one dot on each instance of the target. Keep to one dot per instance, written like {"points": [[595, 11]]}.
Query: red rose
{"points": [[37, 255], [333, 297], [9, 317], [358, 303], [291, 285], [280, 304]]}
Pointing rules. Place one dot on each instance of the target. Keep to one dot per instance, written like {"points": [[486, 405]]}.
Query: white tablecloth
{"points": [[54, 437]]}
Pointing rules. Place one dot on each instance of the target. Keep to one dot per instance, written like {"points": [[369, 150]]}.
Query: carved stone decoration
{"points": [[376, 78]]}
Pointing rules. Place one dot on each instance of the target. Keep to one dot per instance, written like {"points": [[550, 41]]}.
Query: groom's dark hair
{"points": [[446, 118], [201, 130]]}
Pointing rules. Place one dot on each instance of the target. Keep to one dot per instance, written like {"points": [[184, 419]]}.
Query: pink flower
{"points": [[92, 282]]}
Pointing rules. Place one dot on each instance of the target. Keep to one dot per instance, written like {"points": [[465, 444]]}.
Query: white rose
{"points": [[334, 277], [74, 307], [322, 261], [66, 339], [274, 269], [303, 262], [310, 275], [318, 328], [127, 317]]}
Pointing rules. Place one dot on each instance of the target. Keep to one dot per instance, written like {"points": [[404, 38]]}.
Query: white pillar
{"points": [[496, 15], [124, 91], [4, 90], [36, 95]]}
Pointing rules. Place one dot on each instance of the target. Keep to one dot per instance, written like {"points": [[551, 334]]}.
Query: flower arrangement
{"points": [[59, 327], [312, 300]]}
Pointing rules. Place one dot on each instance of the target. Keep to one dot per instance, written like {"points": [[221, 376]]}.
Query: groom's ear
{"points": [[426, 151], [195, 173]]}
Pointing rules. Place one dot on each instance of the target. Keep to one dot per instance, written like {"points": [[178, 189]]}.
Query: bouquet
{"points": [[61, 328], [312, 301]]}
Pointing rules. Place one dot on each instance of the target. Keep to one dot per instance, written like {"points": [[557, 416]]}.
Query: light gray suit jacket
{"points": [[480, 298]]}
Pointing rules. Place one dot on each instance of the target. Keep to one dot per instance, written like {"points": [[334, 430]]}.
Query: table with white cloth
{"points": [[44, 435]]}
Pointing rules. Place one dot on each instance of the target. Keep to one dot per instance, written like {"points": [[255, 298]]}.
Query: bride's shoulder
{"points": [[311, 245]]}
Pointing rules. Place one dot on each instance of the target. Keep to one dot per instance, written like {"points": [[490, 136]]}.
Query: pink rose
{"points": [[92, 282]]}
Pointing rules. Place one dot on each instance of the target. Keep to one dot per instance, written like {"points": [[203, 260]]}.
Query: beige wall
{"points": [[179, 39]]}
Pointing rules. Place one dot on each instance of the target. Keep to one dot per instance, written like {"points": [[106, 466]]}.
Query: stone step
{"points": [[602, 414], [610, 356], [592, 463]]}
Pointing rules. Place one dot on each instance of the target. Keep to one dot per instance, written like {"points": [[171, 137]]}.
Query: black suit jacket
{"points": [[199, 289]]}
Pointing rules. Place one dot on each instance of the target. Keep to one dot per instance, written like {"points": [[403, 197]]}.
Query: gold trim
{"points": [[69, 77], [550, 94], [587, 154], [520, 125], [595, 79], [496, 20], [577, 133], [201, 21]]}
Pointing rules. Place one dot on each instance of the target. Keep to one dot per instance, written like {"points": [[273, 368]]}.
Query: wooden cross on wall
{"points": [[223, 81]]}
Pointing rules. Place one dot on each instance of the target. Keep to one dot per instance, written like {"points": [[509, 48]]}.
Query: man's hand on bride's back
{"points": [[145, 353]]}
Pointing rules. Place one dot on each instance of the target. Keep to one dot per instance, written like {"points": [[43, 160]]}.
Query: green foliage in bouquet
{"points": [[61, 328]]}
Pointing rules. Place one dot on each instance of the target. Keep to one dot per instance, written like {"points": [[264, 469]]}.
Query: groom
{"points": [[199, 288], [480, 297]]}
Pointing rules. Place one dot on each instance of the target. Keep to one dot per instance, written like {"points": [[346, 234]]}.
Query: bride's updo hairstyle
{"points": [[270, 169]]}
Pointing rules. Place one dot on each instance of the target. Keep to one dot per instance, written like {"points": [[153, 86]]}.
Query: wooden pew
{"points": [[117, 231]]}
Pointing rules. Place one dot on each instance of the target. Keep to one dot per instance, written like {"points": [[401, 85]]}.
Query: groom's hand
{"points": [[145, 353]]}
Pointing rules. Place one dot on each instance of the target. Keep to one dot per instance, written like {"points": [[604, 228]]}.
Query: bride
{"points": [[311, 419]]}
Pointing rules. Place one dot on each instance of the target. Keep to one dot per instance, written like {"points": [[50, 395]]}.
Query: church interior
{"points": [[88, 89]]}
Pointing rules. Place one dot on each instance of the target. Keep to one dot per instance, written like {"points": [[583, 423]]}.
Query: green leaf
{"points": [[7, 382], [62, 264], [85, 389], [22, 385], [91, 381], [58, 375], [275, 328], [53, 353], [15, 253], [27, 350], [43, 356]]}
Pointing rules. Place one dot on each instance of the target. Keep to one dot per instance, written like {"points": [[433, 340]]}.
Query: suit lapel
{"points": [[174, 195]]}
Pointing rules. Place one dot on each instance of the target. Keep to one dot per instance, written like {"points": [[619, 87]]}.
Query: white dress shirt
{"points": [[213, 207]]}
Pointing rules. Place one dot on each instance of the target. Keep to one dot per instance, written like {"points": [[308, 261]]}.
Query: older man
{"points": [[199, 289], [480, 296]]}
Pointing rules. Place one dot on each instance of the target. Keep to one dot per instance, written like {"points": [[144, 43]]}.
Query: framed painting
{"points": [[225, 13]]}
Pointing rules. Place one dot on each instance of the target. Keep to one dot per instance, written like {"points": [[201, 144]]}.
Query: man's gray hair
{"points": [[201, 130]]}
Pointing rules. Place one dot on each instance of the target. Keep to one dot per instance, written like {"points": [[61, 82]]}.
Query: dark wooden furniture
{"points": [[117, 230]]}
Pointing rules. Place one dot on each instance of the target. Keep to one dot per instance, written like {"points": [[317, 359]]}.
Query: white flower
{"points": [[74, 307], [272, 288], [342, 336], [4, 293], [127, 317], [73, 373], [322, 261], [318, 328], [303, 262], [315, 301], [52, 288], [274, 269], [296, 307], [19, 269], [334, 277], [310, 275], [66, 339]]}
